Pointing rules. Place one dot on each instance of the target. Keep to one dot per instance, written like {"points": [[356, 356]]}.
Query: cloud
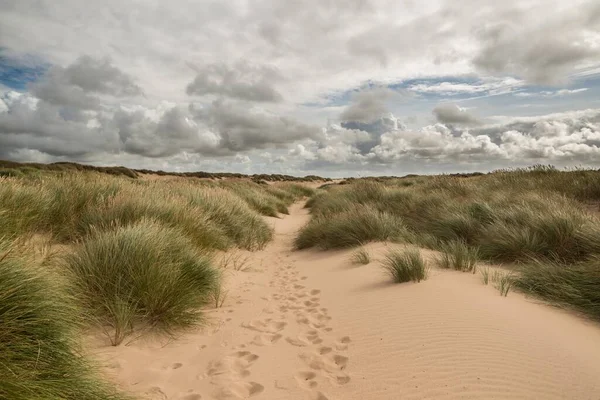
{"points": [[551, 93], [556, 138], [300, 151], [39, 125], [97, 76], [266, 87], [79, 84], [453, 114], [543, 50], [242, 81], [367, 105], [242, 128], [490, 86], [175, 132]]}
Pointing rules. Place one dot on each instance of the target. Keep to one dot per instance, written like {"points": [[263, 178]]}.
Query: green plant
{"points": [[235, 260], [485, 275], [361, 256], [503, 281], [144, 274], [235, 217], [572, 286], [353, 227], [39, 322], [404, 266], [459, 256], [218, 296]]}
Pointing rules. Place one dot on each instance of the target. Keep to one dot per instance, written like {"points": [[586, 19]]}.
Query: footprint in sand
{"points": [[342, 343], [296, 342], [174, 366], [267, 326], [191, 396], [306, 379], [155, 393], [320, 396], [246, 356], [340, 361], [266, 339], [240, 390], [309, 303], [315, 292]]}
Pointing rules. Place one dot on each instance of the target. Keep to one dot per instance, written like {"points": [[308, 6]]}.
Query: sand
{"points": [[309, 325]]}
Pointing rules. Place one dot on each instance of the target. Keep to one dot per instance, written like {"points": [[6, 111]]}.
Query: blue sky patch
{"points": [[16, 73]]}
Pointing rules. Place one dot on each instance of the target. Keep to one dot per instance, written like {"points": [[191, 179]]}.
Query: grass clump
{"points": [[459, 256], [404, 266], [235, 217], [127, 208], [503, 281], [353, 227], [361, 256], [572, 286], [39, 357], [485, 275], [144, 275], [258, 198]]}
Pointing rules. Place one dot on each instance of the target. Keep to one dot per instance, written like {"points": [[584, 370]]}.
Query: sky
{"points": [[328, 87]]}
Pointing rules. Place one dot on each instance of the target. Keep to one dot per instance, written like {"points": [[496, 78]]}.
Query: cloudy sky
{"points": [[331, 87]]}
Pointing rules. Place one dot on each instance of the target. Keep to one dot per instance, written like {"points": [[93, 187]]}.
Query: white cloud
{"points": [[550, 93], [490, 86], [193, 84]]}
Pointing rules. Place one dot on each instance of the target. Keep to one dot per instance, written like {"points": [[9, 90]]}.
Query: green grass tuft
{"points": [[39, 356], [353, 227], [485, 275], [361, 256], [572, 286], [144, 275], [404, 266], [503, 281], [459, 256]]}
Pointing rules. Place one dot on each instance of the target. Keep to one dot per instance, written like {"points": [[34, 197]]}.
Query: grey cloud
{"points": [[367, 105], [79, 84], [242, 81], [49, 129], [174, 133], [100, 76], [242, 129], [453, 114], [542, 52]]}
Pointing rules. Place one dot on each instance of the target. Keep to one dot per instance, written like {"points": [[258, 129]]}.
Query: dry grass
{"points": [[138, 254], [516, 216], [405, 266]]}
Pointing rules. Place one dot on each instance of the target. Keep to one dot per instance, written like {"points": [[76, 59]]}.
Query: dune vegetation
{"points": [[129, 255], [540, 221], [405, 266]]}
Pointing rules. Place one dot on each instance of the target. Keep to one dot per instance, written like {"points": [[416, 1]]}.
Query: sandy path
{"points": [[308, 325]]}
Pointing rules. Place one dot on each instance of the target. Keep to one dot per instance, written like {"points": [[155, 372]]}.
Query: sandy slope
{"points": [[308, 325]]}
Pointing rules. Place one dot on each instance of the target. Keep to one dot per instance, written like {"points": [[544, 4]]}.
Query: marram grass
{"points": [[142, 276], [39, 325], [405, 266]]}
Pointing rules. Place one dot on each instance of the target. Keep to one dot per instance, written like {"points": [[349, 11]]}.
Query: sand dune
{"points": [[309, 325]]}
